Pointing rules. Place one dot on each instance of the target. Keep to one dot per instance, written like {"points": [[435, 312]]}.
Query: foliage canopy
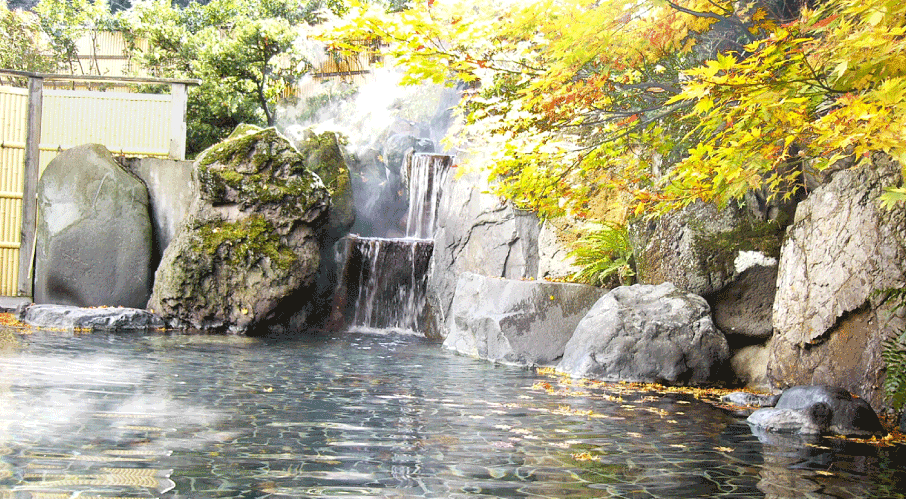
{"points": [[244, 52], [673, 101]]}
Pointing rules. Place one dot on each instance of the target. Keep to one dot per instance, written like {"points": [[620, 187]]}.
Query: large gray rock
{"points": [[726, 255], [94, 238], [514, 321], [170, 194], [649, 334], [672, 249], [554, 259], [480, 233], [250, 251], [744, 307], [90, 319], [819, 409], [829, 322]]}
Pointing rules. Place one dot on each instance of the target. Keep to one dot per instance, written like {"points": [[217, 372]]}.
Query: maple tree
{"points": [[673, 101]]}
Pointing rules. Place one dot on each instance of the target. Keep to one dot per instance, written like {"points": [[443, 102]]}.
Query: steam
{"points": [[369, 108], [381, 120]]}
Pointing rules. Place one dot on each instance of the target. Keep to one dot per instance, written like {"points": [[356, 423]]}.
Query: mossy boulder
{"points": [[323, 155], [253, 240]]}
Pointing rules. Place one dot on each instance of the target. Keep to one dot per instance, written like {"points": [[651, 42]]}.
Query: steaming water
{"points": [[355, 415]]}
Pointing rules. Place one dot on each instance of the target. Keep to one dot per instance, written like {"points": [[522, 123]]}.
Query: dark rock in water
{"points": [[806, 422], [649, 334], [750, 399], [513, 321], [94, 236], [91, 319], [819, 409], [249, 253], [830, 322]]}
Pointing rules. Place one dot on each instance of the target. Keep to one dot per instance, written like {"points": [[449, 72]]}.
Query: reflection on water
{"points": [[372, 415]]}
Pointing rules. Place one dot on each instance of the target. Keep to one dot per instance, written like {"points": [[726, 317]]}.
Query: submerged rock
{"points": [[94, 237], [90, 319], [750, 399], [251, 247], [819, 409], [646, 333], [519, 322]]}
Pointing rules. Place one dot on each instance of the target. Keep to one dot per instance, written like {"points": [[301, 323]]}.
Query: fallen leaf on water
{"points": [[584, 456]]}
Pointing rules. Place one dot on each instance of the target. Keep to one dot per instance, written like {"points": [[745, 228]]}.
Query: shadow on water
{"points": [[373, 415]]}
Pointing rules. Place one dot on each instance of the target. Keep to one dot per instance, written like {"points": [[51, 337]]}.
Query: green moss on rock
{"points": [[323, 156], [717, 252], [255, 167], [242, 243]]}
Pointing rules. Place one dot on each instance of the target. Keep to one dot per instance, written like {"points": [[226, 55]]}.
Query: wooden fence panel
{"points": [[13, 111], [126, 123]]}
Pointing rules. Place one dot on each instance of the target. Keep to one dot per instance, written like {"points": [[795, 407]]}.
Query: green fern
{"points": [[605, 256], [894, 354]]}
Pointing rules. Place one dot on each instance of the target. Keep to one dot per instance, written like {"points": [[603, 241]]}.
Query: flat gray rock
{"points": [[515, 321], [92, 319]]}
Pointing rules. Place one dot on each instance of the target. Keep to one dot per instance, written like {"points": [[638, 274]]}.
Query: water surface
{"points": [[373, 415]]}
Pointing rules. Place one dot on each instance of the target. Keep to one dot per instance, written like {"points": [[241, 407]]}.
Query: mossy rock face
{"points": [[252, 241], [696, 247], [257, 168], [322, 155]]}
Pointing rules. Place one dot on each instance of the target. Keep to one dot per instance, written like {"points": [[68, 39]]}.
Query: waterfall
{"points": [[384, 280], [426, 175], [392, 280]]}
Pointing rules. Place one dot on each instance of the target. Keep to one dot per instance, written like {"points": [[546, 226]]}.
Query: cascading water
{"points": [[426, 175], [384, 280], [392, 282]]}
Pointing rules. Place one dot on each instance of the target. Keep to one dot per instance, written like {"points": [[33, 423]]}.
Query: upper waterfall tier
{"points": [[425, 175]]}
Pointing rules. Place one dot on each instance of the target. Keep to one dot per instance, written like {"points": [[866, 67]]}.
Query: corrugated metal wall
{"points": [[128, 124], [13, 110]]}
